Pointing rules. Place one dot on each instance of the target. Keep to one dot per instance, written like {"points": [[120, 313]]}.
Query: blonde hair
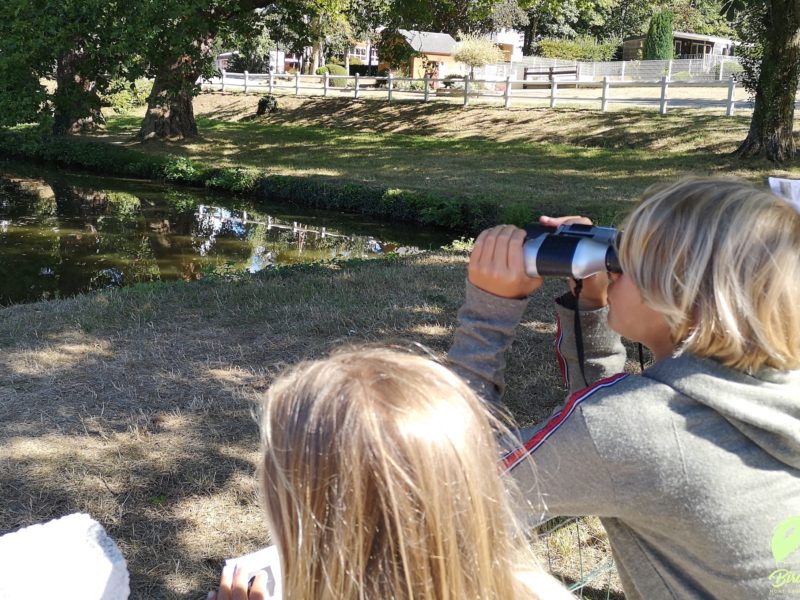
{"points": [[720, 260], [381, 480]]}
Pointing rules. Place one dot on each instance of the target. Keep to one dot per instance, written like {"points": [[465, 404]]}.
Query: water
{"points": [[66, 233]]}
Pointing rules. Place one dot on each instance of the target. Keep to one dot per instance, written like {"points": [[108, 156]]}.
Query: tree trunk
{"points": [[76, 103], [770, 132], [170, 113]]}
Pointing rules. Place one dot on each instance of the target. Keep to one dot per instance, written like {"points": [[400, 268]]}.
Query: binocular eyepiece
{"points": [[573, 250]]}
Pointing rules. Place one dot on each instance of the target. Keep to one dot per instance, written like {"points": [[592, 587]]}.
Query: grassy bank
{"points": [[135, 405], [431, 164]]}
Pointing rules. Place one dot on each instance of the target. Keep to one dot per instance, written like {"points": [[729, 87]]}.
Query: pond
{"points": [[64, 233]]}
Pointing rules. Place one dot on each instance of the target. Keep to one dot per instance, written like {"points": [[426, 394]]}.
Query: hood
{"points": [[764, 407]]}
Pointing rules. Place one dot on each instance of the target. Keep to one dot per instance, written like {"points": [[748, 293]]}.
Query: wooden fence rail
{"points": [[506, 89]]}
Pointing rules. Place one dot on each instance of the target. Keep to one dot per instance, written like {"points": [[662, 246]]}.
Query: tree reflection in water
{"points": [[61, 235]]}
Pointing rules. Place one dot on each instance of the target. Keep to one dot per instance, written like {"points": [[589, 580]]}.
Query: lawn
{"points": [[535, 160], [135, 405]]}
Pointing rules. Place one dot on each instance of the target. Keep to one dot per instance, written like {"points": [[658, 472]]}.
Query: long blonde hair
{"points": [[381, 480], [720, 259]]}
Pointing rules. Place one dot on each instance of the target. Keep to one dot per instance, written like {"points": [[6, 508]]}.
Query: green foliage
{"points": [[584, 48], [659, 43], [395, 51], [334, 69], [477, 51], [266, 105], [462, 245], [123, 95], [238, 179], [731, 68], [681, 76], [254, 47]]}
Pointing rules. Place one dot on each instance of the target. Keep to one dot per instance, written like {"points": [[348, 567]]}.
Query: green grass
{"points": [[598, 175]]}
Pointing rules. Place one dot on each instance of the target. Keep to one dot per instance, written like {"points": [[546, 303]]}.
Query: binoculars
{"points": [[573, 250]]}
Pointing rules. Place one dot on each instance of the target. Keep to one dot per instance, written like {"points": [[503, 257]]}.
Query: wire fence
{"points": [[576, 551]]}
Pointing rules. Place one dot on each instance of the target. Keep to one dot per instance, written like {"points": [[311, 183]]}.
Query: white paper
{"points": [[786, 188], [267, 560]]}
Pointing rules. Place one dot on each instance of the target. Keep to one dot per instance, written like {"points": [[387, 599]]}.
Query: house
{"points": [[436, 48], [686, 45], [510, 41]]}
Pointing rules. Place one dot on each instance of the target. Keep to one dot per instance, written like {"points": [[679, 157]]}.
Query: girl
{"points": [[381, 480], [692, 465]]}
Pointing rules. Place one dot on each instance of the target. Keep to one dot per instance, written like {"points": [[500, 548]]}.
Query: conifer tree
{"points": [[658, 45]]}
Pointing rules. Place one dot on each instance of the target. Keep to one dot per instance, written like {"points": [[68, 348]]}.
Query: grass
{"points": [[531, 160], [135, 405]]}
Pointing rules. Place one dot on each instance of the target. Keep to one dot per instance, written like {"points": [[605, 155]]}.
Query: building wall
{"points": [[447, 65]]}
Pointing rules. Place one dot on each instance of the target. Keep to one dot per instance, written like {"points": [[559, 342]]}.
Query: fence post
{"points": [[664, 85], [669, 69], [297, 83], [389, 84], [553, 92], [426, 83], [325, 83], [721, 69], [466, 90], [223, 80], [606, 88], [731, 101], [271, 81], [246, 75], [355, 94], [507, 92], [622, 72]]}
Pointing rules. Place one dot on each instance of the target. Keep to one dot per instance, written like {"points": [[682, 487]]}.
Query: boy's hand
{"points": [[234, 585], [496, 263]]}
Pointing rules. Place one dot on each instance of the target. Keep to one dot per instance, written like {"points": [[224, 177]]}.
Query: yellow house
{"points": [[435, 48]]}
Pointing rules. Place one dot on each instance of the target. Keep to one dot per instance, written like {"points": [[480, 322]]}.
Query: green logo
{"points": [[786, 539]]}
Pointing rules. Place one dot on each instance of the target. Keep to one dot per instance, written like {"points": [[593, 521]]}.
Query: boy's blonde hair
{"points": [[381, 480], [720, 260]]}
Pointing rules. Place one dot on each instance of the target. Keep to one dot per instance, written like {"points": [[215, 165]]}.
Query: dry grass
{"points": [[136, 405]]}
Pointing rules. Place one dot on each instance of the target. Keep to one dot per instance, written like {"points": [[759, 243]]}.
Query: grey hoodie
{"points": [[693, 468]]}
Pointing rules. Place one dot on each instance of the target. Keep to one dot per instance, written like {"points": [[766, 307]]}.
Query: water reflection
{"points": [[61, 235]]}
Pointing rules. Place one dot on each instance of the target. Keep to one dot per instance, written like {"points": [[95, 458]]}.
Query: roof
{"points": [[429, 42], [690, 36]]}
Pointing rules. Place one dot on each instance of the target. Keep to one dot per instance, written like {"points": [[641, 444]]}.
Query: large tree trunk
{"points": [[76, 103], [773, 114], [170, 113]]}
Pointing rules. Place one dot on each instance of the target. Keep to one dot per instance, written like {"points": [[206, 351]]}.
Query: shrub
{"points": [[334, 69], [354, 60], [455, 82], [681, 76], [266, 105], [732, 68], [581, 48], [123, 95], [476, 51]]}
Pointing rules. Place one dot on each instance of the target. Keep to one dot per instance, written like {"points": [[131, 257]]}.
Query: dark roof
{"points": [[428, 42]]}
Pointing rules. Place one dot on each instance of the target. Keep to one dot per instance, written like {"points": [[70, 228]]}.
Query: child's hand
{"points": [[496, 263], [235, 585], [594, 293]]}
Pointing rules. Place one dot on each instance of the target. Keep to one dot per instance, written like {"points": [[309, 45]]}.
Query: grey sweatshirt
{"points": [[692, 467]]}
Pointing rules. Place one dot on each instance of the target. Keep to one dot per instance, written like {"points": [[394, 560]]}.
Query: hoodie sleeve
{"points": [[486, 325], [603, 352], [557, 466]]}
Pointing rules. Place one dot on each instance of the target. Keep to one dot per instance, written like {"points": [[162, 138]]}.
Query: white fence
{"points": [[506, 91]]}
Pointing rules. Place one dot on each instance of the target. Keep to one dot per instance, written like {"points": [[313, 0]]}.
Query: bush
{"points": [[581, 48], [334, 69], [266, 105], [455, 82], [123, 95], [364, 70], [732, 68], [681, 76]]}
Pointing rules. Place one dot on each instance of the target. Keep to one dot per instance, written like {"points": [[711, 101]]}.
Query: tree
{"points": [[78, 44], [771, 31], [658, 45], [253, 51], [476, 51]]}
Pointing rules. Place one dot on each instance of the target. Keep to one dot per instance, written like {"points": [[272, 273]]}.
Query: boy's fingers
{"points": [[501, 248], [516, 262]]}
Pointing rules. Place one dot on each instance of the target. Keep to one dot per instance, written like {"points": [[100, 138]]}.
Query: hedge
{"points": [[426, 208]]}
